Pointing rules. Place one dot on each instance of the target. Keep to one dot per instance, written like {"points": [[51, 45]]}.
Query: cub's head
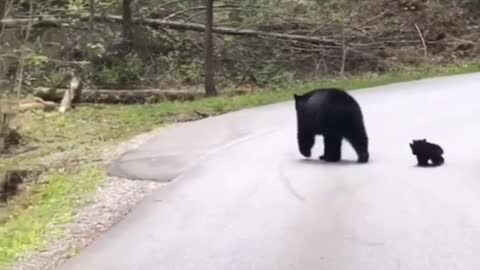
{"points": [[415, 143]]}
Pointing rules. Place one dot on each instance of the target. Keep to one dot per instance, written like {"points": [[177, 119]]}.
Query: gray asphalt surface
{"points": [[244, 198]]}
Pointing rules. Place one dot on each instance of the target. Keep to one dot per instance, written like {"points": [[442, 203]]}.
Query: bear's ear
{"points": [[411, 145], [296, 97]]}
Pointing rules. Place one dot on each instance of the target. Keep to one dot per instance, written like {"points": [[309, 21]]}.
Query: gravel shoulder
{"points": [[114, 199]]}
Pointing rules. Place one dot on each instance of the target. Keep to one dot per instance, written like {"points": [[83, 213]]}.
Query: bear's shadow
{"points": [[343, 162]]}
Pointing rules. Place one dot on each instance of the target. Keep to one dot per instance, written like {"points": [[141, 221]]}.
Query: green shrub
{"points": [[126, 72]]}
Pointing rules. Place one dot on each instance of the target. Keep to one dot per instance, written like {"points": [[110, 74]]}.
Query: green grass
{"points": [[84, 133], [35, 220]]}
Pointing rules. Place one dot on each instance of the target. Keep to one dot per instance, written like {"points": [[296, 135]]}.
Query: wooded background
{"points": [[133, 44]]}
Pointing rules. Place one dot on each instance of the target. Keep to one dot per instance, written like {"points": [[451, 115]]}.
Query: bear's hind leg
{"points": [[360, 145], [332, 148], [437, 160]]}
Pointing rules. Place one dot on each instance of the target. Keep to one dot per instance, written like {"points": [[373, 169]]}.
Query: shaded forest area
{"points": [[114, 44]]}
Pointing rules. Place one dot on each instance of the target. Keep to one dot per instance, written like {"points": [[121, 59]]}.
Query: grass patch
{"points": [[85, 132], [43, 207]]}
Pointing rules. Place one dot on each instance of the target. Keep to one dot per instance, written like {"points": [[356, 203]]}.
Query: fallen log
{"points": [[175, 25], [36, 104], [120, 96], [71, 95]]}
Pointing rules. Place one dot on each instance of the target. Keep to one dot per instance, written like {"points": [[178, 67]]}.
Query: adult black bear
{"points": [[335, 114], [427, 151]]}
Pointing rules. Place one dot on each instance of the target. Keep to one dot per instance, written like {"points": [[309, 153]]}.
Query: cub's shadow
{"points": [[317, 162], [428, 166]]}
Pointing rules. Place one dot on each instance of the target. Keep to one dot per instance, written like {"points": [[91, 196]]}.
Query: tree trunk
{"points": [[21, 58], [3, 8], [210, 89], [91, 20], [8, 111], [127, 31]]}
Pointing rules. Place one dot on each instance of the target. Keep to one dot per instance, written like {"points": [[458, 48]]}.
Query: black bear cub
{"points": [[426, 151], [334, 114]]}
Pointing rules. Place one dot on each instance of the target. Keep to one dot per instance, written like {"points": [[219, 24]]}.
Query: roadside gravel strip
{"points": [[112, 201]]}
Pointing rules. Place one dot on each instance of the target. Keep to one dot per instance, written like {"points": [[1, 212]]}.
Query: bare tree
{"points": [[21, 56], [3, 12], [91, 20], [210, 89], [127, 31], [3, 8]]}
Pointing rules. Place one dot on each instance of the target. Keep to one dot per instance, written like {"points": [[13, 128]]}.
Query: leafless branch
{"points": [[422, 39], [156, 23], [21, 58]]}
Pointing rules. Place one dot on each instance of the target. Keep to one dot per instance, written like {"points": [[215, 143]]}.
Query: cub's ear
{"points": [[296, 97], [411, 145]]}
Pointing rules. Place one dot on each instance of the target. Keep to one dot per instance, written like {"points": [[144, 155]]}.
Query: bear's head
{"points": [[300, 105], [305, 144], [298, 101]]}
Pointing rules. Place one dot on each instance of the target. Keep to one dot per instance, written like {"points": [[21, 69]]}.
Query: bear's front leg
{"points": [[422, 160]]}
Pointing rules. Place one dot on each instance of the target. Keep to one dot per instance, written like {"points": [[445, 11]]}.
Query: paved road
{"points": [[247, 200]]}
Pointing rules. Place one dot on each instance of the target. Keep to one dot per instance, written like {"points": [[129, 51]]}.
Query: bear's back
{"points": [[330, 100]]}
